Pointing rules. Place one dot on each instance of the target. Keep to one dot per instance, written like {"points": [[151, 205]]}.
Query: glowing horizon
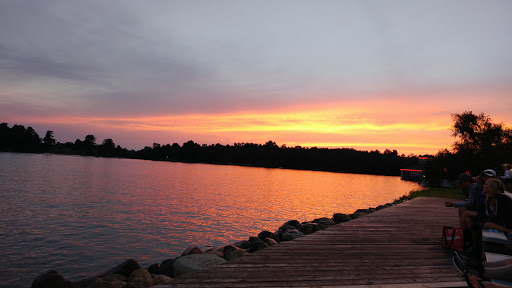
{"points": [[330, 74], [323, 126]]}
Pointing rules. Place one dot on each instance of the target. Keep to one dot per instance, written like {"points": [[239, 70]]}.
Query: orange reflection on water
{"points": [[65, 209]]}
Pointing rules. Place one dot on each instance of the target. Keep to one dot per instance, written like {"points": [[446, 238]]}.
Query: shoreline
{"points": [[194, 259], [397, 174]]}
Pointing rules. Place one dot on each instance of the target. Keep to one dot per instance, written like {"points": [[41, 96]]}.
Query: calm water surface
{"points": [[81, 215]]}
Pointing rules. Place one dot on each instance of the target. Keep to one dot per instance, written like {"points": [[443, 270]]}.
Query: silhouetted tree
{"points": [[90, 140], [251, 154], [5, 137], [48, 139], [107, 148], [480, 142]]}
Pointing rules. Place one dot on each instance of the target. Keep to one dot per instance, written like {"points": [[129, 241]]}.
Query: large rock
{"points": [[195, 262], [257, 244], [153, 268], [244, 244], [292, 234], [361, 210], [232, 252], [126, 268], [160, 279], [192, 250], [309, 228], [340, 218], [167, 268], [51, 279], [270, 242], [266, 234], [294, 223], [141, 278], [290, 225], [324, 221], [215, 251], [356, 215]]}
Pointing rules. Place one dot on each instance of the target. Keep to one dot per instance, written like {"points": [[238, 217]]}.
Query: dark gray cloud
{"points": [[140, 58], [18, 65]]}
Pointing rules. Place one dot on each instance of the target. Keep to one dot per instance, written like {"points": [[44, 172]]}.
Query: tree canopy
{"points": [[268, 154], [479, 144]]}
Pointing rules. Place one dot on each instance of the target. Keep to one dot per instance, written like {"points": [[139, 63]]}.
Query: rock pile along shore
{"points": [[129, 274]]}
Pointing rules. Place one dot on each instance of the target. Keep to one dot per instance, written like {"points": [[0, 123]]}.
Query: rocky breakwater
{"points": [[129, 274]]}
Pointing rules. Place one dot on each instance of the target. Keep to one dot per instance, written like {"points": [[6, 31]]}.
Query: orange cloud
{"points": [[400, 123], [395, 125]]}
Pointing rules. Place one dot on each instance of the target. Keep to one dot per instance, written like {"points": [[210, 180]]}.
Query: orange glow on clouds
{"points": [[394, 125]]}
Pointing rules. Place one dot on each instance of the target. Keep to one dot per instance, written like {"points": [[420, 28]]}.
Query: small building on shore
{"points": [[415, 172], [411, 174]]}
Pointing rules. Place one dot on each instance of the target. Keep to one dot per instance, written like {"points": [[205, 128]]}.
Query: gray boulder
{"points": [[195, 262]]}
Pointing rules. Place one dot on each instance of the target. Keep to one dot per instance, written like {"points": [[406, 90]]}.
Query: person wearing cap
{"points": [[478, 204], [471, 190], [488, 174]]}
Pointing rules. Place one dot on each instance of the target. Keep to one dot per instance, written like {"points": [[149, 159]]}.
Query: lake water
{"points": [[81, 215]]}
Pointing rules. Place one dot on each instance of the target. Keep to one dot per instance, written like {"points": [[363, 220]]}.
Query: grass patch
{"points": [[441, 192]]}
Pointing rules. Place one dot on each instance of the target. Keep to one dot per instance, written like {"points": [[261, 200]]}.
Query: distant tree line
{"points": [[21, 139], [480, 144]]}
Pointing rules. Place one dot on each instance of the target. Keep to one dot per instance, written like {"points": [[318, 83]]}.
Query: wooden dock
{"points": [[398, 246]]}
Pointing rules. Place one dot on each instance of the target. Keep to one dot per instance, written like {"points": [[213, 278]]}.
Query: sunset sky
{"points": [[366, 74]]}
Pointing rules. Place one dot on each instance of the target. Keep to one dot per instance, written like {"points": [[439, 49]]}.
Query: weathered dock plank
{"points": [[400, 246]]}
